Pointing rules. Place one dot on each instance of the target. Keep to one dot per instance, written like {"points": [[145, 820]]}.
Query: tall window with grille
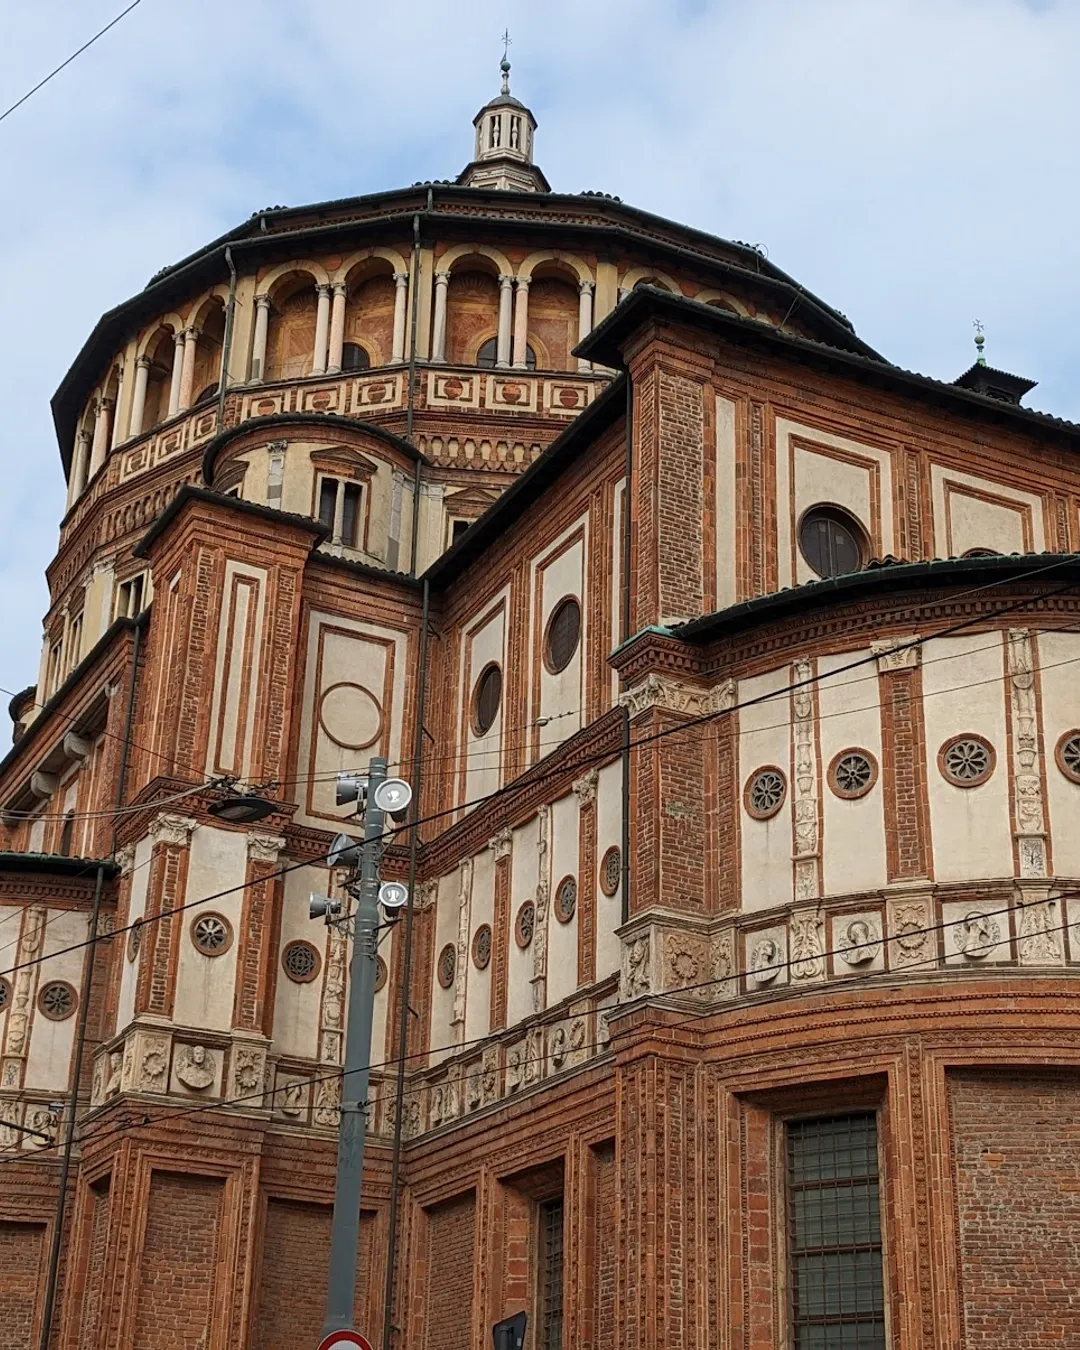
{"points": [[549, 1301], [834, 1234]]}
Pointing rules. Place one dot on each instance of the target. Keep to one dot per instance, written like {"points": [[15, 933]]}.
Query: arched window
{"points": [[488, 353], [831, 541], [530, 358], [354, 357], [209, 392]]}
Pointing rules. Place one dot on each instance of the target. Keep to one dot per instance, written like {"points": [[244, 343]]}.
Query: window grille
{"points": [[834, 1234], [550, 1291]]}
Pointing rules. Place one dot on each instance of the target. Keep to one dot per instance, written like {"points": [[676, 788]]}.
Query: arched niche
{"points": [[369, 310], [160, 352], [472, 307], [290, 334], [209, 323], [553, 314]]}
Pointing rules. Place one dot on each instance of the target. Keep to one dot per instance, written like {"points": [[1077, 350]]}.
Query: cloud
{"points": [[914, 162]]}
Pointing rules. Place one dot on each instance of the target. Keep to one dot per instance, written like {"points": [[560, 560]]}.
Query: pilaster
{"points": [[165, 891]]}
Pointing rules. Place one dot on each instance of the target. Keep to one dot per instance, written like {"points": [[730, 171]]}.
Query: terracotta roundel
{"points": [[301, 962], [565, 899], [447, 967], [765, 792], [525, 924], [853, 773], [350, 715], [57, 1000], [967, 760], [481, 947], [611, 870]]}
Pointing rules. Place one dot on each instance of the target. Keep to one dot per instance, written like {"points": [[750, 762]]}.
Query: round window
{"points": [[486, 699], [525, 924], [57, 1000], [765, 792], [563, 635], [134, 941], [852, 773], [380, 974], [611, 871], [566, 899], [5, 994], [301, 962], [211, 934], [447, 967], [481, 947], [832, 542], [966, 761], [1068, 755]]}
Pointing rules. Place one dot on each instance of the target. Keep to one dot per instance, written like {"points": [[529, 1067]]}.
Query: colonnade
{"points": [[93, 446]]}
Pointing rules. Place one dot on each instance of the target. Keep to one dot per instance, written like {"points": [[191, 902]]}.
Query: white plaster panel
{"points": [[608, 832], [964, 690], [442, 1000], [140, 876], [726, 482], [563, 937], [48, 1060], [10, 927], [559, 697], [296, 1006], [37, 834], [478, 982], [524, 872], [765, 739], [805, 478], [236, 678], [354, 697], [965, 519], [381, 1013], [854, 830], [1059, 673], [483, 644], [205, 984]]}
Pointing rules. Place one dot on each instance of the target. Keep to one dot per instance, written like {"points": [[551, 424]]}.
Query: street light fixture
{"points": [[242, 808]]}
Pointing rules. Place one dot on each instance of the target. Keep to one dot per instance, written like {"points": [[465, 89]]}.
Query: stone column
{"points": [[166, 885], [337, 327], [177, 372], [114, 439], [80, 464], [100, 444], [506, 306], [521, 323], [138, 397], [401, 293], [187, 375], [585, 311], [438, 340], [258, 348], [322, 328]]}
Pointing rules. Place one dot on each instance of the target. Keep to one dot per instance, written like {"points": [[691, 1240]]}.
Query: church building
{"points": [[734, 669]]}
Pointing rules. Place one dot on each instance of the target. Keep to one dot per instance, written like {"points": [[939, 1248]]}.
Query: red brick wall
{"points": [[451, 1271], [1018, 1205], [22, 1267], [291, 1299], [98, 1228], [603, 1236], [176, 1288]]}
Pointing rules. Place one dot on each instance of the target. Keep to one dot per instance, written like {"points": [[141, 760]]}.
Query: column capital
{"points": [[264, 848], [192, 333], [442, 278], [84, 437], [170, 829], [178, 336], [106, 403], [505, 280], [523, 283], [143, 363], [339, 288], [401, 278], [262, 300], [322, 288], [586, 287]]}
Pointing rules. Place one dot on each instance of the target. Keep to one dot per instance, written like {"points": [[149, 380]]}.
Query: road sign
{"points": [[344, 1340]]}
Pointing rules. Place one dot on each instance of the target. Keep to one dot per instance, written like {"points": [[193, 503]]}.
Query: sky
{"points": [[915, 163]]}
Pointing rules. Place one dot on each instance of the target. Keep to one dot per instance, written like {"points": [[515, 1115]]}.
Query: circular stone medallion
{"points": [[350, 715]]}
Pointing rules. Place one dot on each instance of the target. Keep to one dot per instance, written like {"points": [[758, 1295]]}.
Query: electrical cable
{"points": [[518, 784], [815, 989], [52, 73]]}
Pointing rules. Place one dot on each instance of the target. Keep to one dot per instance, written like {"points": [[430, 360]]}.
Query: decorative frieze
{"points": [[806, 813], [659, 692], [1029, 811], [17, 1033], [897, 653], [542, 908], [465, 878], [170, 829]]}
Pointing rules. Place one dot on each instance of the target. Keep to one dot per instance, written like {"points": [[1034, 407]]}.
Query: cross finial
{"points": [[504, 65], [980, 339]]}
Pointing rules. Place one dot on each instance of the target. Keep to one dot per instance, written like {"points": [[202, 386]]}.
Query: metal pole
{"points": [[345, 1233], [69, 1130]]}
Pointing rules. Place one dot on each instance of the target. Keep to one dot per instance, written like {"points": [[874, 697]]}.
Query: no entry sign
{"points": [[344, 1340]]}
